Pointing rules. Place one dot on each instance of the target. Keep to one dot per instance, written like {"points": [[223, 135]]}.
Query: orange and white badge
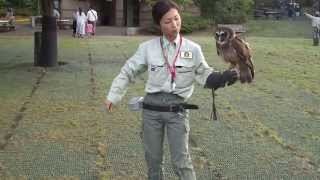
{"points": [[186, 54]]}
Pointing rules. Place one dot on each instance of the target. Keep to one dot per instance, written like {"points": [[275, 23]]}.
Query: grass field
{"points": [[53, 125]]}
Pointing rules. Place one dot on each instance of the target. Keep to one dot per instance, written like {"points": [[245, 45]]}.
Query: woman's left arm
{"points": [[207, 77], [203, 70]]}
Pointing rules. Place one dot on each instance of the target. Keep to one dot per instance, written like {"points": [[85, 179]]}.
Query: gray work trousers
{"points": [[177, 128]]}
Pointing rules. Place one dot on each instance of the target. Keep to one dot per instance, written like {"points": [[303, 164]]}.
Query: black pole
{"points": [[49, 47], [37, 47]]}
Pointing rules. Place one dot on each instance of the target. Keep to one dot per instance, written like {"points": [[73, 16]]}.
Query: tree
{"points": [[49, 48], [206, 7], [232, 11], [225, 11], [2, 3]]}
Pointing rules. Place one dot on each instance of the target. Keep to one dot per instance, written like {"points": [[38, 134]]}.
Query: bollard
{"points": [[49, 48], [316, 34], [37, 47]]}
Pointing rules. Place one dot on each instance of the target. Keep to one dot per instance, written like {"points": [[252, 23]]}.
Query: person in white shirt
{"points": [[56, 13], [81, 23], [315, 23], [92, 16]]}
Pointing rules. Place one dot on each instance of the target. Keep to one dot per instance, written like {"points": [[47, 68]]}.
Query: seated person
{"points": [[10, 16], [56, 13]]}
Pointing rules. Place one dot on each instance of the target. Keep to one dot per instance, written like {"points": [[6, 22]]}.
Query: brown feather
{"points": [[244, 53]]}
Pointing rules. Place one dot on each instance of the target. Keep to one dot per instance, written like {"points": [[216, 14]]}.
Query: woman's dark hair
{"points": [[161, 8], [80, 11]]}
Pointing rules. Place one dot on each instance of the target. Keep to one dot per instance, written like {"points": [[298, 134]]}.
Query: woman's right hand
{"points": [[108, 104]]}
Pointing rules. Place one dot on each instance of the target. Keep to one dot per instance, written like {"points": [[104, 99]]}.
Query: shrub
{"points": [[232, 11], [190, 23], [23, 12], [193, 23]]}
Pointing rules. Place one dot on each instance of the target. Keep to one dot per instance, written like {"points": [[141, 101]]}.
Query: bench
{"points": [[274, 14], [62, 23], [5, 26], [35, 21], [237, 28], [65, 23], [266, 13]]}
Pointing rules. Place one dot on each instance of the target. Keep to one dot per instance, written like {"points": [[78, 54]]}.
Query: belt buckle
{"points": [[171, 107]]}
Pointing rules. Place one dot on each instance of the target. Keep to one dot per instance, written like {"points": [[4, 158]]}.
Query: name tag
{"points": [[186, 54]]}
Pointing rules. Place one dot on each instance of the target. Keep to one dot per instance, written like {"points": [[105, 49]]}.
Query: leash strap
{"points": [[214, 110]]}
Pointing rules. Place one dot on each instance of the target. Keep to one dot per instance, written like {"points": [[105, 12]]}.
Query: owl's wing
{"points": [[244, 52]]}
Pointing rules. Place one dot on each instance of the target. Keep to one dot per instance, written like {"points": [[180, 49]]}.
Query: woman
{"points": [[81, 23], [173, 63]]}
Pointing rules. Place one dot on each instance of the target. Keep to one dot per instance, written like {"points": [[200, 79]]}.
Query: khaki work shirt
{"points": [[190, 66]]}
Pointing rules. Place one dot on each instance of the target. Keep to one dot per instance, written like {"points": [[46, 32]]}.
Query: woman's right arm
{"points": [[134, 66], [309, 16]]}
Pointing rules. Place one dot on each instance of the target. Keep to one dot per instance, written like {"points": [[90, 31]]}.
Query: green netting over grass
{"points": [[267, 130]]}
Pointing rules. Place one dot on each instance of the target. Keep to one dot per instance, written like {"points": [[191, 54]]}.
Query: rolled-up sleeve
{"points": [[203, 70], [134, 66]]}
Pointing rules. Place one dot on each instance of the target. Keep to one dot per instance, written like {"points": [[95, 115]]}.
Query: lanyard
{"points": [[172, 69]]}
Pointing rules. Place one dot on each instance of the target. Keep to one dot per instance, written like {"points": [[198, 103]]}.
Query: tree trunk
{"points": [[49, 48]]}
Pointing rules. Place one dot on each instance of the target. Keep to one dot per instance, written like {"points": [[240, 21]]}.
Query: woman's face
{"points": [[170, 24]]}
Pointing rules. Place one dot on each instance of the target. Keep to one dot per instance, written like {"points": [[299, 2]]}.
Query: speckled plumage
{"points": [[235, 51]]}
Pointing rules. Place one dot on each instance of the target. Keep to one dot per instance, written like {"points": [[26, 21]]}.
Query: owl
{"points": [[235, 51]]}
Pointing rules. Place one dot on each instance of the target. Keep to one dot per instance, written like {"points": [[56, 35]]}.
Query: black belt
{"points": [[169, 108]]}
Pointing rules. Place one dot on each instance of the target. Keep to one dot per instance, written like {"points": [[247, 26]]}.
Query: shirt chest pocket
{"points": [[158, 73], [185, 73]]}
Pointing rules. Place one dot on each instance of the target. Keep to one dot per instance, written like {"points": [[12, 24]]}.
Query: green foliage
{"points": [[2, 3], [21, 7], [206, 7], [232, 11], [192, 23], [276, 3], [225, 11], [2, 12], [177, 1]]}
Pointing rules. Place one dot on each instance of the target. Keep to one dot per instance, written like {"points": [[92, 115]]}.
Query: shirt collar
{"points": [[166, 42]]}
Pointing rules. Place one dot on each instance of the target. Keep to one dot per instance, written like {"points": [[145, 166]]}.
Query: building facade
{"points": [[129, 13]]}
